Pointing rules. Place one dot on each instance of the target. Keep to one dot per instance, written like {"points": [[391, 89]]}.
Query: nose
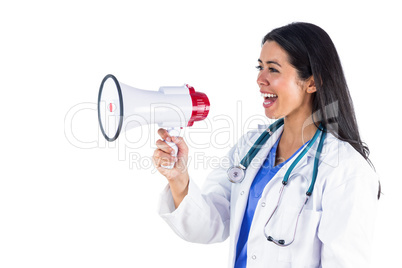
{"points": [[262, 79]]}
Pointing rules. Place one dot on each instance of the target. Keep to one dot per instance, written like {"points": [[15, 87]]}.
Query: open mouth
{"points": [[269, 99]]}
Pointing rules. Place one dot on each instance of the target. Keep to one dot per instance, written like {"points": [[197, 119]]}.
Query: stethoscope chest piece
{"points": [[236, 174]]}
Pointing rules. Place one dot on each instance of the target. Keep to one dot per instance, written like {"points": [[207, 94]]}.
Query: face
{"points": [[285, 95]]}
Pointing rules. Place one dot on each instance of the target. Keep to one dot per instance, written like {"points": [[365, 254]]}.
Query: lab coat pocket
{"points": [[283, 222], [306, 247]]}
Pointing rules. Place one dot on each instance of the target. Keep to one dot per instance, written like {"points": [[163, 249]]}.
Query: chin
{"points": [[272, 115]]}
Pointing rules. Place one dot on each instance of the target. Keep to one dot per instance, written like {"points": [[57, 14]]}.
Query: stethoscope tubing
{"points": [[260, 142], [316, 161], [242, 167], [300, 156]]}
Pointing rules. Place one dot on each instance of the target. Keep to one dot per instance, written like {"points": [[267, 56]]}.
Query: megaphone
{"points": [[122, 107]]}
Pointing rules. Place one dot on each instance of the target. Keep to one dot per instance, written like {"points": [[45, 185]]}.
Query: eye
{"points": [[259, 68], [273, 70]]}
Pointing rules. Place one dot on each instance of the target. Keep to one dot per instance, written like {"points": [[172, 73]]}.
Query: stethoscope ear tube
{"points": [[300, 156], [245, 162], [316, 160]]}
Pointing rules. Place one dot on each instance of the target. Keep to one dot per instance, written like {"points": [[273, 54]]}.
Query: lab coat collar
{"points": [[311, 153], [263, 153]]}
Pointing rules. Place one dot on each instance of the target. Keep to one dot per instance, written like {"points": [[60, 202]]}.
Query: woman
{"points": [[271, 224]]}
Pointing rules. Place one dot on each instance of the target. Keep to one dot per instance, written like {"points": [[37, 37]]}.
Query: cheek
{"points": [[290, 92], [278, 84], [286, 87]]}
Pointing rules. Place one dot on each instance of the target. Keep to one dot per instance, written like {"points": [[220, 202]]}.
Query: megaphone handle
{"points": [[173, 132]]}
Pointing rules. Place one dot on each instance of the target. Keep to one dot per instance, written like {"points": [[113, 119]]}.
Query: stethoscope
{"points": [[236, 174]]}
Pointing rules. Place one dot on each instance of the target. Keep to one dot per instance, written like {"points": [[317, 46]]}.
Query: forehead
{"points": [[271, 51]]}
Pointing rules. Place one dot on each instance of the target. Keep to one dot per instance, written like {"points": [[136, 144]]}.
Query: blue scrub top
{"points": [[264, 175]]}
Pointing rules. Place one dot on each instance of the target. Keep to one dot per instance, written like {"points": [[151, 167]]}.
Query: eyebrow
{"points": [[270, 62]]}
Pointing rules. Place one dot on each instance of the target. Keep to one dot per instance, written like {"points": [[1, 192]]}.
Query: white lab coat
{"points": [[335, 229]]}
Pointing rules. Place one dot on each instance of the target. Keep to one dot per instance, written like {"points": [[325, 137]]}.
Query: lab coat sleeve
{"points": [[204, 215], [348, 216]]}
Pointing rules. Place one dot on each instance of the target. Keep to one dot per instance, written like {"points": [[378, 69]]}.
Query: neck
{"points": [[297, 130]]}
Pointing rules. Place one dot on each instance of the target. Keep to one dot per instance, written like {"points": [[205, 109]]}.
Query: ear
{"points": [[310, 84]]}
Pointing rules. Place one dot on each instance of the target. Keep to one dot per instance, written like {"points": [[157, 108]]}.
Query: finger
{"points": [[181, 144], [166, 163], [162, 158], [162, 145], [164, 134], [165, 172]]}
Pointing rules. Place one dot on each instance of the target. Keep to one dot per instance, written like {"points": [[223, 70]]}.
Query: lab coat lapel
{"points": [[251, 172]]}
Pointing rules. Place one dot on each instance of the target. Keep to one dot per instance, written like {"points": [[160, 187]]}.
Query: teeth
{"points": [[266, 95]]}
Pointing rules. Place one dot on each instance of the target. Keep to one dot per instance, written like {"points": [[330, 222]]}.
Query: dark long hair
{"points": [[312, 52]]}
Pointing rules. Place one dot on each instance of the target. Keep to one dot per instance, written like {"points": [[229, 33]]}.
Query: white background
{"points": [[69, 199]]}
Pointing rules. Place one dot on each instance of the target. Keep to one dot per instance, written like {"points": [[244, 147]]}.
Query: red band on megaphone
{"points": [[200, 106]]}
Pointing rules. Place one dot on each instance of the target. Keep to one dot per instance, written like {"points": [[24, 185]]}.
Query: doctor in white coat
{"points": [[271, 224]]}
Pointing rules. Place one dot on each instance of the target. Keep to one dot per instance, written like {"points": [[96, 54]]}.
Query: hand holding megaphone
{"points": [[166, 157], [177, 177], [122, 107]]}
